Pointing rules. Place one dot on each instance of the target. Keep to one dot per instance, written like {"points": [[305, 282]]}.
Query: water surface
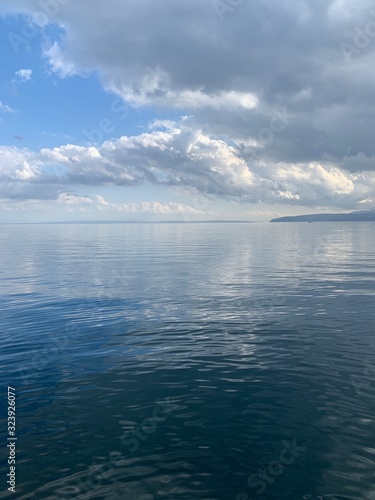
{"points": [[185, 361]]}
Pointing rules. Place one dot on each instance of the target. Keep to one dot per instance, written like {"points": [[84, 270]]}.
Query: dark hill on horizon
{"points": [[358, 216]]}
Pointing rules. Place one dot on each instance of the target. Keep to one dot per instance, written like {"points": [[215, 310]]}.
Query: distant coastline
{"points": [[358, 216], [172, 221]]}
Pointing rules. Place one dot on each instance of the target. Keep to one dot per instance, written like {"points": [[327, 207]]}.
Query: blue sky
{"points": [[215, 111], [50, 110]]}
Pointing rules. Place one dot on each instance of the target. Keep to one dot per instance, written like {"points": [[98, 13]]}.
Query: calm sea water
{"points": [[190, 361]]}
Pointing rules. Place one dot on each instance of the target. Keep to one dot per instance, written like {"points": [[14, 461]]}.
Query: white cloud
{"points": [[58, 63], [96, 203], [23, 75], [5, 108], [150, 207]]}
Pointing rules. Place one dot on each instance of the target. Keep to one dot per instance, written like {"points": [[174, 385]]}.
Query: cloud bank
{"points": [[180, 156]]}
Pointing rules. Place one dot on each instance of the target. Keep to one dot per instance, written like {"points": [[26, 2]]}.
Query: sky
{"points": [[185, 110]]}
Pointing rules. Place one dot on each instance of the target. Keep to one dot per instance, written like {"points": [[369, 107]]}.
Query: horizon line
{"points": [[174, 221]]}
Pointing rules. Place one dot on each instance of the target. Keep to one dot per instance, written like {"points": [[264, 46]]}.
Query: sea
{"points": [[187, 361]]}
